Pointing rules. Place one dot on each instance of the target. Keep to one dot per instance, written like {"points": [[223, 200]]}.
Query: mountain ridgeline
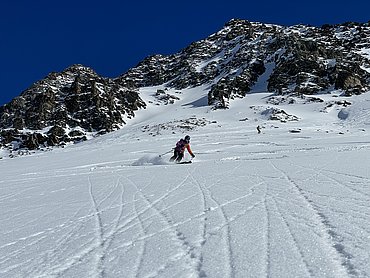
{"points": [[299, 60]]}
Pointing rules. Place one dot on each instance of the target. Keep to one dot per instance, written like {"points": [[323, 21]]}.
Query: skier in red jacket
{"points": [[181, 145]]}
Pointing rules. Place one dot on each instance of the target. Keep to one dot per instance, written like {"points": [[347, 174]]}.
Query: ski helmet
{"points": [[187, 138]]}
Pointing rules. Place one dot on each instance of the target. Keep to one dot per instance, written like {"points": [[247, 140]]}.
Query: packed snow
{"points": [[292, 201]]}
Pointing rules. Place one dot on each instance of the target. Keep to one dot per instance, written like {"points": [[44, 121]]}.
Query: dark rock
{"points": [[77, 98], [348, 81], [8, 136], [56, 131], [76, 133], [31, 142]]}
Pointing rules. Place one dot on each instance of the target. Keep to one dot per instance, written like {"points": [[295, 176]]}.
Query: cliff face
{"points": [[67, 107], [302, 60]]}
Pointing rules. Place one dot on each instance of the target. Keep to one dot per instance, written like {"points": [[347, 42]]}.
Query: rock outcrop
{"points": [[66, 107]]}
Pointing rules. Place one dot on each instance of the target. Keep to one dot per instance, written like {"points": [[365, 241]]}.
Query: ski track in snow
{"points": [[225, 222], [140, 257], [340, 256], [267, 236], [185, 248], [206, 197], [98, 271]]}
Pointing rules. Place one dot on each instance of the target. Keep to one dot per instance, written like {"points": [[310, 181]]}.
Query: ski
{"points": [[184, 162]]}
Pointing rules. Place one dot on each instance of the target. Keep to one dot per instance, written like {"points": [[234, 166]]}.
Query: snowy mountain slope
{"points": [[290, 202], [297, 63]]}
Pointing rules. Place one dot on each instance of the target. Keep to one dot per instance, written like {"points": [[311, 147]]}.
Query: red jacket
{"points": [[187, 146], [183, 147]]}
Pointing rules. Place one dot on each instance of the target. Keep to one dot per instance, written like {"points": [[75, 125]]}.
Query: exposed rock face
{"points": [[304, 60], [67, 107]]}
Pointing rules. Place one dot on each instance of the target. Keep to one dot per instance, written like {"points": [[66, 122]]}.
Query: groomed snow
{"points": [[275, 204]]}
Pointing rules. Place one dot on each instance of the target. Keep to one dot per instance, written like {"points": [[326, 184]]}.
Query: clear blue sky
{"points": [[111, 36]]}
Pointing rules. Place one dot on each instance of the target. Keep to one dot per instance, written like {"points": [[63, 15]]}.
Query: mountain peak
{"points": [[237, 21], [78, 68]]}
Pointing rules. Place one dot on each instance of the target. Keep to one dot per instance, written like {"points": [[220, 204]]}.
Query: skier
{"points": [[258, 129], [181, 145]]}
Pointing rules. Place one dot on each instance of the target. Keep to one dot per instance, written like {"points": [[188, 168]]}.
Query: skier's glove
{"points": [[193, 155]]}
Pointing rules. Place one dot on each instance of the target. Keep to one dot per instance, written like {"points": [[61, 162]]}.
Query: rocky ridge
{"points": [[66, 107], [300, 62]]}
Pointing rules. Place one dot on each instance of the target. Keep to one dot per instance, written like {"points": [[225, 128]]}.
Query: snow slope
{"points": [[276, 204]]}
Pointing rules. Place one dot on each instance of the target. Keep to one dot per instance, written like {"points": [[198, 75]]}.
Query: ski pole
{"points": [[165, 153]]}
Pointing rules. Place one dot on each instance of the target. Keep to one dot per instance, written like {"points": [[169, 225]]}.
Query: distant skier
{"points": [[181, 145], [258, 129]]}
